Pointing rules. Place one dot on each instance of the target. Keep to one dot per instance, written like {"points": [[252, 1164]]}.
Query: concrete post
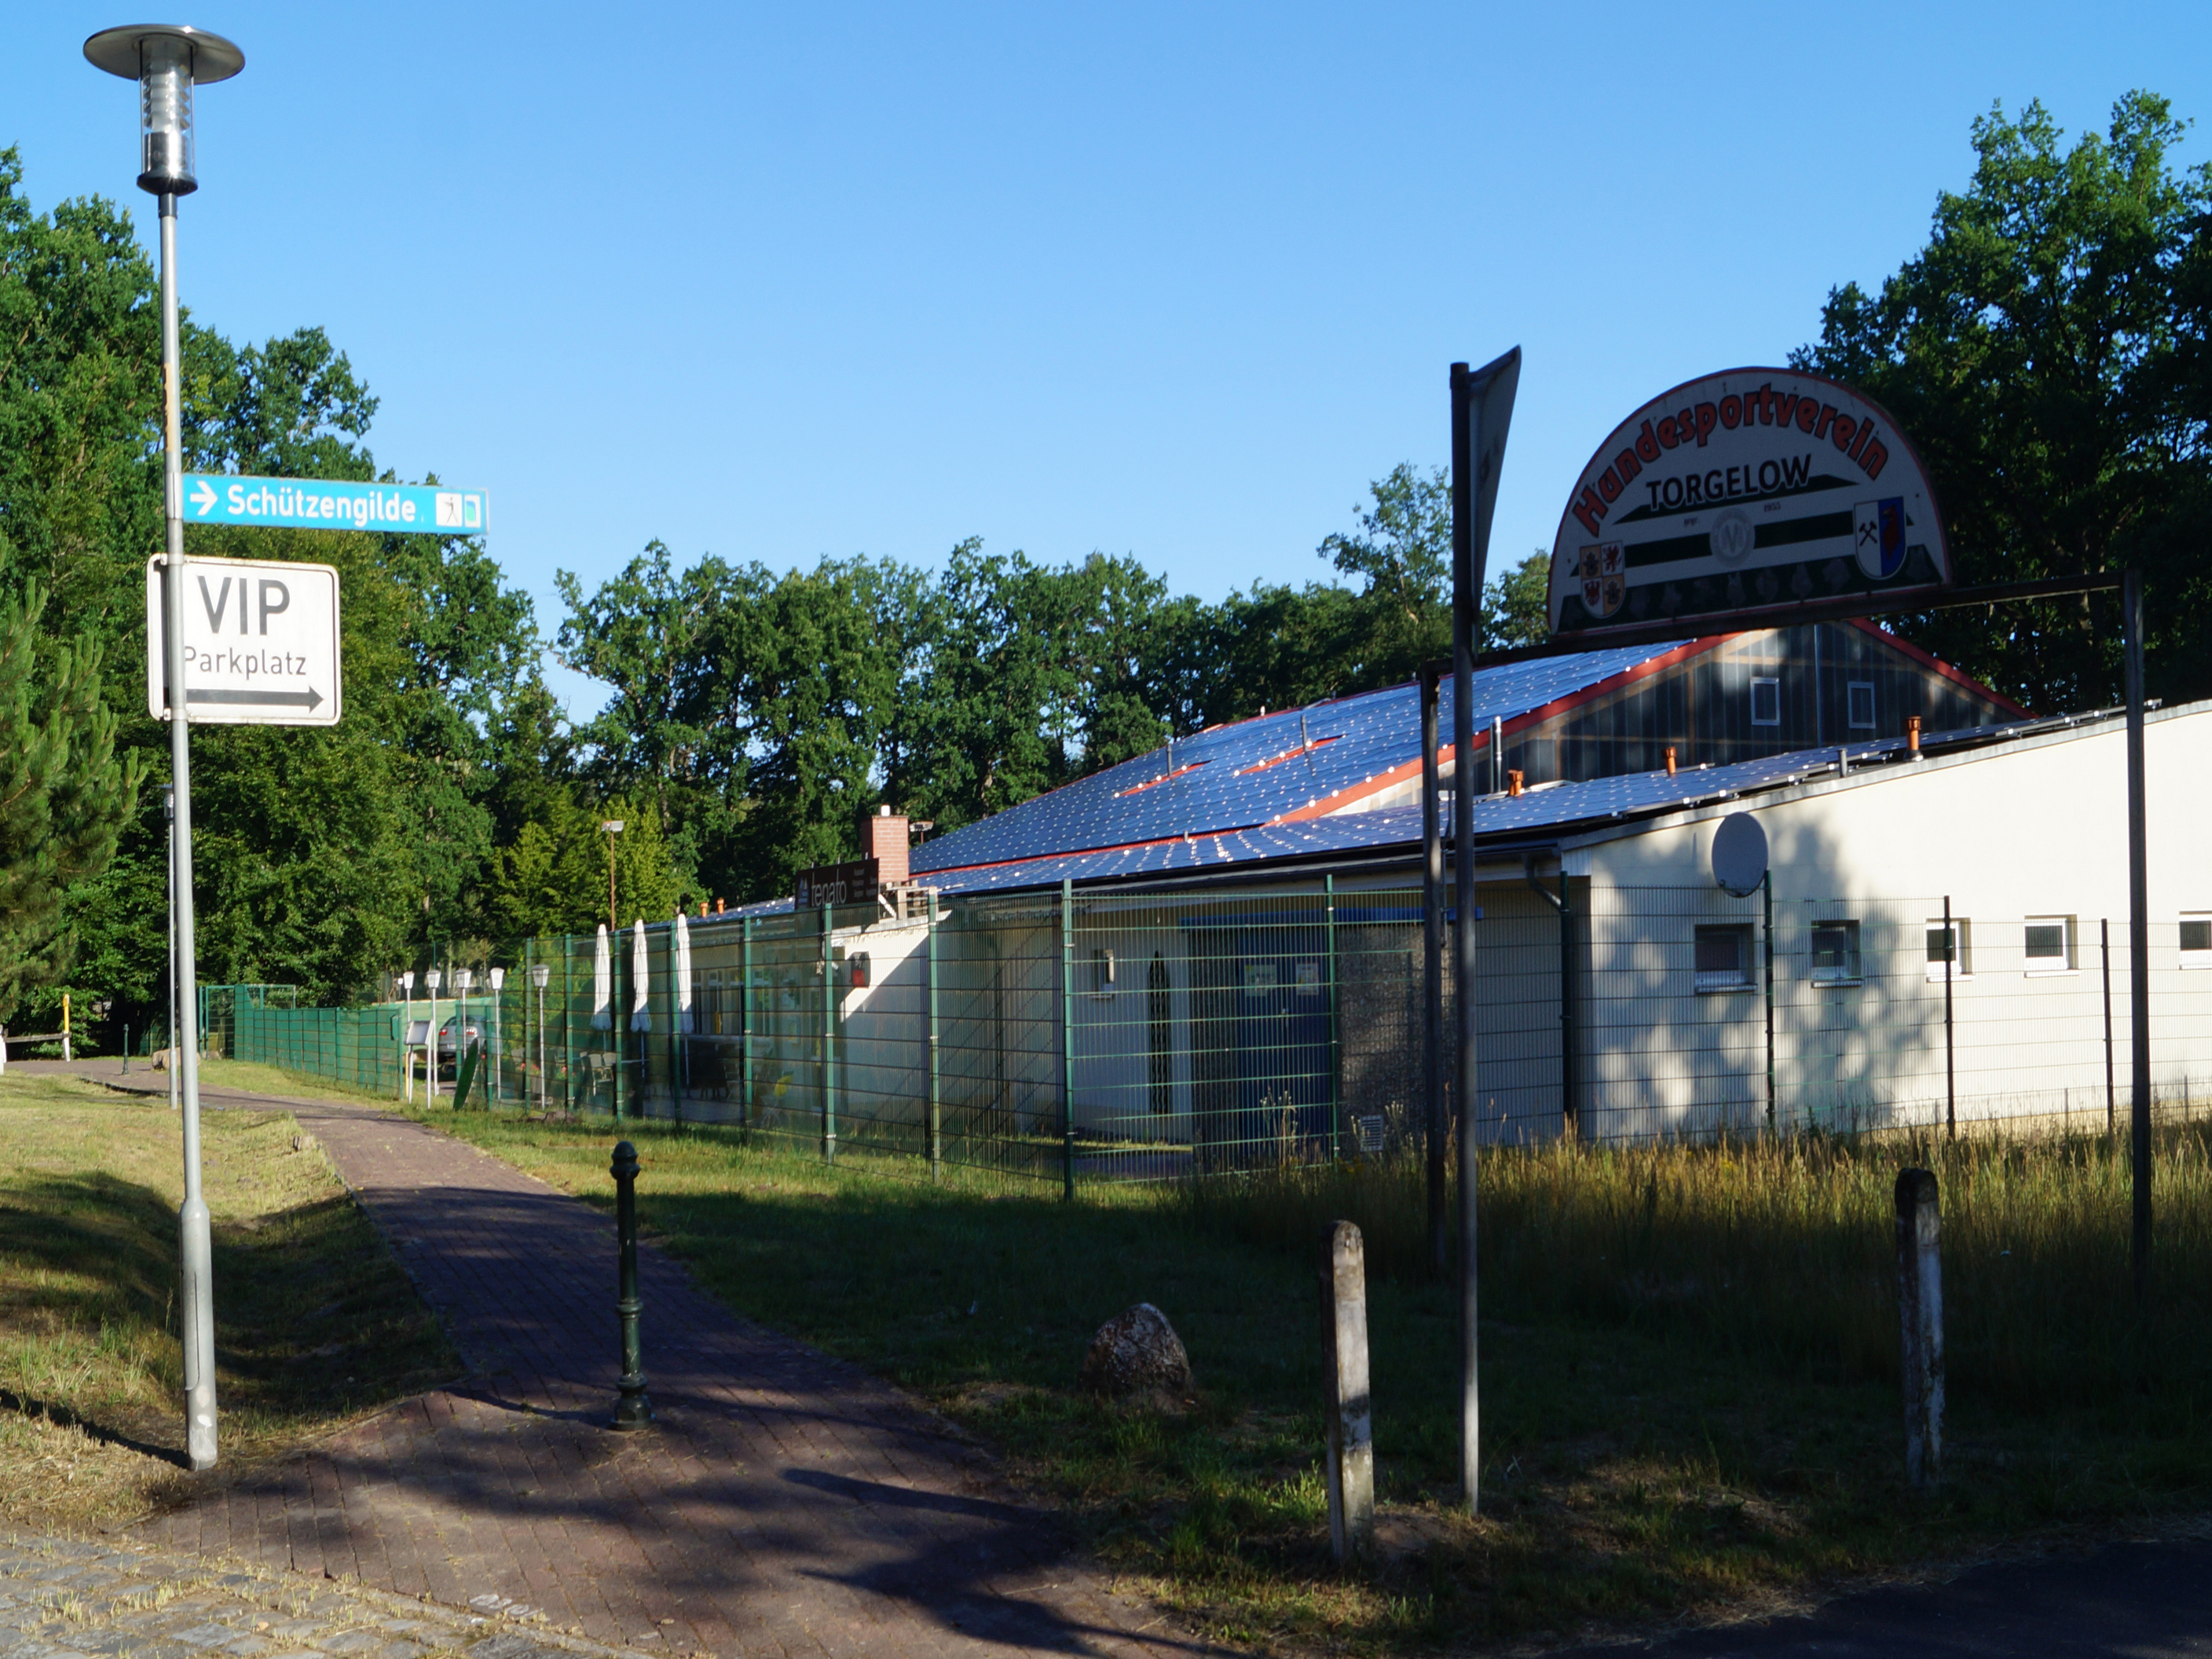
{"points": [[1920, 1312], [1347, 1412]]}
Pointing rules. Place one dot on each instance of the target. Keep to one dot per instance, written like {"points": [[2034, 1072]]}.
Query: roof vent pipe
{"points": [[1670, 760], [1513, 782], [1497, 753], [1913, 736], [1843, 761]]}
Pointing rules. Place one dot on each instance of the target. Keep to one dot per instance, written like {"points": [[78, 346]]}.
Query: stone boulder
{"points": [[1138, 1352]]}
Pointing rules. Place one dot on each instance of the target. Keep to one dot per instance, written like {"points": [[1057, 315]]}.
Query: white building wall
{"points": [[2031, 829]]}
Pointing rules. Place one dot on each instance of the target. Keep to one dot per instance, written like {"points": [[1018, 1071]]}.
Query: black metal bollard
{"points": [[633, 1410]]}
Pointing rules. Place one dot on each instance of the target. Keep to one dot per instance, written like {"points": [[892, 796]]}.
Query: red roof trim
{"points": [[1290, 753], [1343, 799], [1927, 661], [1153, 783]]}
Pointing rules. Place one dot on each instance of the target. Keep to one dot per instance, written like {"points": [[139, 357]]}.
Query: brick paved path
{"points": [[786, 1504]]}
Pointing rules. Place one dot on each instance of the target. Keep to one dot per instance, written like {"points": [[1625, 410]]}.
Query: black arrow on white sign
{"points": [[307, 699]]}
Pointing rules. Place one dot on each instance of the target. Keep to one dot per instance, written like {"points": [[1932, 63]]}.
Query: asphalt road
{"points": [[2142, 1600]]}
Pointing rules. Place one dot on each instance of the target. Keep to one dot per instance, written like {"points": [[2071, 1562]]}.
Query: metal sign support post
{"points": [[2138, 934], [197, 1252], [1482, 406], [1466, 598]]}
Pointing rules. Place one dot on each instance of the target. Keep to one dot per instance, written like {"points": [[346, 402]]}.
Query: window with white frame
{"points": [[1858, 705], [2197, 940], [1836, 952], [1766, 703], [2047, 943], [1724, 958], [1951, 954]]}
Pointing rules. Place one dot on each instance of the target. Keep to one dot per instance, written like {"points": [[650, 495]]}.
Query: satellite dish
{"points": [[1739, 854]]}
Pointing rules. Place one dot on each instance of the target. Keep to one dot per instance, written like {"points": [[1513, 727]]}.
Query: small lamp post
{"points": [[406, 1024], [463, 978], [431, 980], [498, 978], [539, 973], [613, 826]]}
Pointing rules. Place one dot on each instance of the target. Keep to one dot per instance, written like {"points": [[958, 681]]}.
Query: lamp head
{"points": [[165, 60], [407, 982], [498, 978], [431, 980], [539, 973], [464, 978]]}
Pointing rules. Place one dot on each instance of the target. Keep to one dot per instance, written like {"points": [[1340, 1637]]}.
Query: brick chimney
{"points": [[883, 838]]}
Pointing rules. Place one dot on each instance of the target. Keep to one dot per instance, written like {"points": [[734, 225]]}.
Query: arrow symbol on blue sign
{"points": [[203, 497]]}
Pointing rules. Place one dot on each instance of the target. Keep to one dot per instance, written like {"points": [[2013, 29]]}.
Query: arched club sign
{"points": [[1752, 488]]}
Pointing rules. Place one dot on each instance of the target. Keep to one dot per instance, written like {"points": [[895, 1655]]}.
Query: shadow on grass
{"points": [[63, 1417], [313, 1318]]}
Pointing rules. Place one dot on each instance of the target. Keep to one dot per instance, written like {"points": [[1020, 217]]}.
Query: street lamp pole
{"points": [[498, 978], [430, 1085], [613, 826], [167, 62], [407, 1031]]}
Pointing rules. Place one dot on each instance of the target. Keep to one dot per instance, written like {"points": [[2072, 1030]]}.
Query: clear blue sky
{"points": [[1172, 281]]}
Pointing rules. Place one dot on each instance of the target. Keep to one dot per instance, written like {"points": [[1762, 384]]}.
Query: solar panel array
{"points": [[1232, 777], [1545, 808]]}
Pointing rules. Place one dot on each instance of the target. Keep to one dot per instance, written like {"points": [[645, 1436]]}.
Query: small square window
{"points": [[1953, 955], [1836, 952], [1766, 702], [2049, 942], [2196, 941], [1724, 958], [1858, 697]]}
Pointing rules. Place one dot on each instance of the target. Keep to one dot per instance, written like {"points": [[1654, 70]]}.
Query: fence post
{"points": [[936, 1105], [567, 1016], [1067, 1038], [1950, 1070], [1920, 1311], [1338, 1124], [828, 1046], [1348, 1409], [617, 957], [745, 1022], [2139, 1102], [2111, 1102], [1766, 889], [1433, 974]]}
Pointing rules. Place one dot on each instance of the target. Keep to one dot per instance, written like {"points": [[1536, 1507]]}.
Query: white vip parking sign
{"points": [[261, 643]]}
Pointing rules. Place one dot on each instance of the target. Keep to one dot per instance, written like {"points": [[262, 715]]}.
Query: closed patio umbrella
{"points": [[683, 976], [640, 1010], [603, 983]]}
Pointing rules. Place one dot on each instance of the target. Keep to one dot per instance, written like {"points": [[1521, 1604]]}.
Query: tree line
{"points": [[2047, 350]]}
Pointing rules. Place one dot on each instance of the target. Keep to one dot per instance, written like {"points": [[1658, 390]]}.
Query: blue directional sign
{"points": [[320, 504]]}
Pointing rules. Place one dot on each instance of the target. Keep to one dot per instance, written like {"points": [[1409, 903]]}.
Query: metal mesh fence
{"points": [[1065, 1038]]}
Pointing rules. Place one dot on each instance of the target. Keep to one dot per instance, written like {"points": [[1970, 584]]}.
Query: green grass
{"points": [[315, 1321], [1690, 1382]]}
